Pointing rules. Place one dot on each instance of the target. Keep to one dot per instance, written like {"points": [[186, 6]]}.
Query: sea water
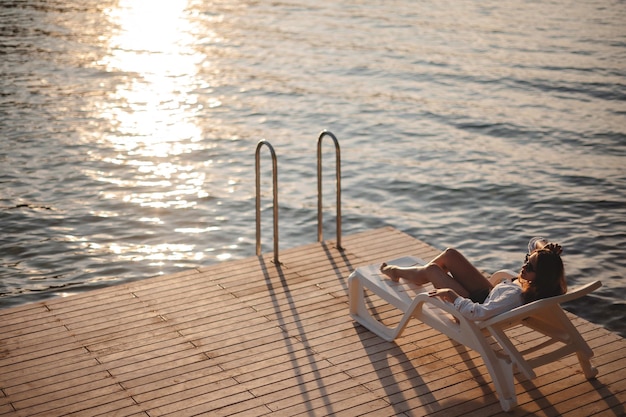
{"points": [[128, 130]]}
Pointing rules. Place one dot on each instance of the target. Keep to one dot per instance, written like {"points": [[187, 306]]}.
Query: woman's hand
{"points": [[446, 294], [554, 248]]}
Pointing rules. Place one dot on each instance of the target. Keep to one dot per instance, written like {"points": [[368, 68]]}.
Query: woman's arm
{"points": [[503, 298]]}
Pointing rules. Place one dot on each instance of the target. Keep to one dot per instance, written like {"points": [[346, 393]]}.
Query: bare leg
{"points": [[415, 274], [450, 269], [453, 262], [441, 279], [421, 275]]}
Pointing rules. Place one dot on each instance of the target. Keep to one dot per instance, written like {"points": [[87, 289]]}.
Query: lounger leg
{"points": [[500, 368], [589, 370], [583, 351], [501, 371], [512, 351], [355, 296], [360, 312], [584, 354]]}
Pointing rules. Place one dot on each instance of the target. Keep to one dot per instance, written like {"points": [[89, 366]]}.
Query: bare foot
{"points": [[416, 274], [390, 271]]}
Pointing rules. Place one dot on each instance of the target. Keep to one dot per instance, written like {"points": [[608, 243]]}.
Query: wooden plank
{"points": [[252, 337]]}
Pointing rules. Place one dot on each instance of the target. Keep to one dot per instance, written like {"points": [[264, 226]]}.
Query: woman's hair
{"points": [[549, 275]]}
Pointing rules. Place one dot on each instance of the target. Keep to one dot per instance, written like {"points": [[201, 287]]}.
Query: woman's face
{"points": [[529, 269]]}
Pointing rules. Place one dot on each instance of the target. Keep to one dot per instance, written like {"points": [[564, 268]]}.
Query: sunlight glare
{"points": [[152, 109], [153, 45]]}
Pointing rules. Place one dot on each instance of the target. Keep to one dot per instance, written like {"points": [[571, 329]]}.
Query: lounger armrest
{"points": [[528, 309], [437, 302], [429, 314]]}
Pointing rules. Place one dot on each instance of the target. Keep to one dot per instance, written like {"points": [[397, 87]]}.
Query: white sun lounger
{"points": [[545, 316]]}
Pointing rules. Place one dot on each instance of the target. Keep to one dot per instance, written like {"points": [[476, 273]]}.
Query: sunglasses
{"points": [[528, 264]]}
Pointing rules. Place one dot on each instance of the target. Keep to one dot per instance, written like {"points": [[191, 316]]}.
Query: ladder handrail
{"points": [[319, 185], [258, 197]]}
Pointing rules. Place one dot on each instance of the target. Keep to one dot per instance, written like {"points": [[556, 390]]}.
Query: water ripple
{"points": [[129, 127]]}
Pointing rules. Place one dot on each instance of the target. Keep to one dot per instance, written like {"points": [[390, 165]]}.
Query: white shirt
{"points": [[503, 297]]}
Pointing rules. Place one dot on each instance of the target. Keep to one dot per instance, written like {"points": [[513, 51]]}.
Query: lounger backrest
{"points": [[528, 309]]}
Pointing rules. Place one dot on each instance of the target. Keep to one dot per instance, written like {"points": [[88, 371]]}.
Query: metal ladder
{"points": [[320, 233], [323, 134], [258, 197]]}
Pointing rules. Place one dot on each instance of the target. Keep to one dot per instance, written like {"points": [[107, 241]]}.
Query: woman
{"points": [[457, 281]]}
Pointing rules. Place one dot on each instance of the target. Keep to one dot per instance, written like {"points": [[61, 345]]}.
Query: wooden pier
{"points": [[252, 338]]}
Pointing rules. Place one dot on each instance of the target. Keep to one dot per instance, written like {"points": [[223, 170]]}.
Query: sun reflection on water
{"points": [[152, 110]]}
